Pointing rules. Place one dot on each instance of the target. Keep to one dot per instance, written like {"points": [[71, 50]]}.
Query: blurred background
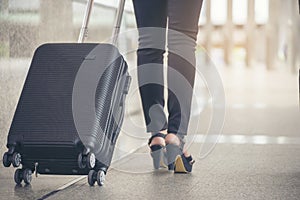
{"points": [[247, 31], [253, 43]]}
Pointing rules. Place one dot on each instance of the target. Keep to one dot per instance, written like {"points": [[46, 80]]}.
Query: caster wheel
{"points": [[92, 177], [27, 176], [91, 160], [16, 159], [80, 161], [18, 176], [6, 161], [100, 177]]}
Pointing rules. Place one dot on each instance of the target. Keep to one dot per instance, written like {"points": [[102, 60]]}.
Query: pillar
{"points": [[208, 30], [272, 34], [250, 33], [228, 39], [294, 41]]}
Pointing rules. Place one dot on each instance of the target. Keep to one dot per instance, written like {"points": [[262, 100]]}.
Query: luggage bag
{"points": [[71, 109]]}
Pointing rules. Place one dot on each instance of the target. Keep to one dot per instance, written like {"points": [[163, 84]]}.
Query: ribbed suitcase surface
{"points": [[44, 118]]}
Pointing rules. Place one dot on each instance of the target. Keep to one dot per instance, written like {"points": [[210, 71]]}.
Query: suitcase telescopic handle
{"points": [[86, 18]]}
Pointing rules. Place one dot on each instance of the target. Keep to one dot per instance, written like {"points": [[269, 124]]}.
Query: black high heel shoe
{"points": [[158, 152], [172, 152], [176, 159]]}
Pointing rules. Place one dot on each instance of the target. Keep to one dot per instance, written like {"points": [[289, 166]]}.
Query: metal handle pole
{"points": [[118, 21], [84, 27]]}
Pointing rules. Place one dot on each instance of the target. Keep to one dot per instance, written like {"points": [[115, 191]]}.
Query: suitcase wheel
{"points": [[16, 159], [6, 160], [80, 161], [23, 174], [100, 177], [27, 176], [18, 176], [91, 160], [86, 161], [92, 177]]}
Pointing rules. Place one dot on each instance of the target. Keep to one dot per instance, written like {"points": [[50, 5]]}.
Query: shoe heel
{"points": [[183, 164], [156, 154], [172, 152], [179, 165]]}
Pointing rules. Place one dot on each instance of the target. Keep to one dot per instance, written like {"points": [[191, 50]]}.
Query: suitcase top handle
{"points": [[86, 18]]}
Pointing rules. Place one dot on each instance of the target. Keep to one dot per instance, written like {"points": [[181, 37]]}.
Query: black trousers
{"points": [[181, 17]]}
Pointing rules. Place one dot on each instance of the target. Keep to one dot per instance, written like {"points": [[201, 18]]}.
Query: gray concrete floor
{"points": [[257, 156]]}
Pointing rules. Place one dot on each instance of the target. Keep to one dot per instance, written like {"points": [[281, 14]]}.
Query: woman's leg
{"points": [[151, 13], [182, 35]]}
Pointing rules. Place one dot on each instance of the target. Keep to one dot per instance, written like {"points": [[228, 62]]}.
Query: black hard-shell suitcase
{"points": [[70, 112]]}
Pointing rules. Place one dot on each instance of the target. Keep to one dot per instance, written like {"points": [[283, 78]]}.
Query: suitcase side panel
{"points": [[115, 119], [44, 112]]}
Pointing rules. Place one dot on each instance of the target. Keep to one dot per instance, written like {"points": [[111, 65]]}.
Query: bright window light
{"points": [[218, 12], [261, 11], [239, 11]]}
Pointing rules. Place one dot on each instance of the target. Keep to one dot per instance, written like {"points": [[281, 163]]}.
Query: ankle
{"points": [[158, 140], [171, 138], [186, 154]]}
